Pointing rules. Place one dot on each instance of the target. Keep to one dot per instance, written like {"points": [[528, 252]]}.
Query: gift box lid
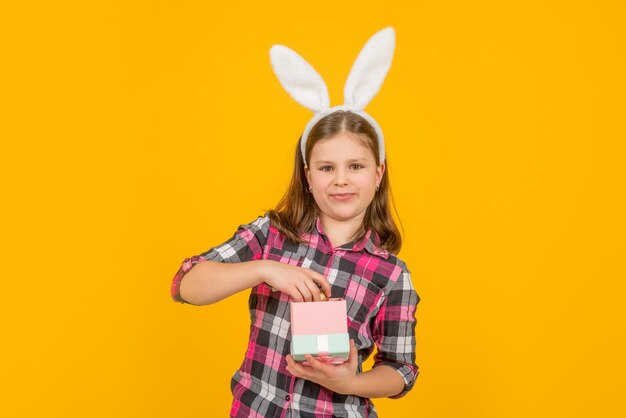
{"points": [[323, 317]]}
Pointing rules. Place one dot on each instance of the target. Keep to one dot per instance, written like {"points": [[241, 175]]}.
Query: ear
{"points": [[307, 174], [299, 78], [380, 170], [369, 70]]}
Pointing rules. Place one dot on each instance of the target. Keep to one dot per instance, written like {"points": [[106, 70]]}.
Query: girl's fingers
{"points": [[304, 291], [291, 364], [313, 362], [318, 366], [322, 281], [295, 294], [295, 368], [315, 291]]}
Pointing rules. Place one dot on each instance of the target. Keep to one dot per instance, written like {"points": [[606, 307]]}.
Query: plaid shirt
{"points": [[381, 303]]}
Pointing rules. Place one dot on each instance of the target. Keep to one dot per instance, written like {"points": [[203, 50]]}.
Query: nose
{"points": [[341, 178]]}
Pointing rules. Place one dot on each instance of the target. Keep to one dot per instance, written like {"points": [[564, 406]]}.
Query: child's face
{"points": [[344, 175]]}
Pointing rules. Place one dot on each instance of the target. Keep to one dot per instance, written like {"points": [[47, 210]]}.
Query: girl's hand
{"points": [[302, 284], [338, 378]]}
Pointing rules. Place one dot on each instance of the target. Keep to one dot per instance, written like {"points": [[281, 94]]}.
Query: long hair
{"points": [[297, 211]]}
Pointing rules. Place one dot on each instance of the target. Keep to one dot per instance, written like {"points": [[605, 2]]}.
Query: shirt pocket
{"points": [[361, 297]]}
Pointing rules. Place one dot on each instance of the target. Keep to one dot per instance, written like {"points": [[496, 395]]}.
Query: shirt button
{"points": [[288, 397]]}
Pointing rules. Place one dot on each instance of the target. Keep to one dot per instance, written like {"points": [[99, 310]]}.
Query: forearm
{"points": [[379, 382], [210, 281]]}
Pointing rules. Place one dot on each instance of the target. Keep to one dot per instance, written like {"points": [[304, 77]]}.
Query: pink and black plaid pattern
{"points": [[381, 305]]}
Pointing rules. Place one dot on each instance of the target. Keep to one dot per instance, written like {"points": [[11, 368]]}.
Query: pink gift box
{"points": [[320, 329]]}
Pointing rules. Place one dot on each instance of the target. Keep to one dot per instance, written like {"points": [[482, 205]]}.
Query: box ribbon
{"points": [[322, 344]]}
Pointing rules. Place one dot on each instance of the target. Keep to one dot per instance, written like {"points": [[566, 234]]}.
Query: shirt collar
{"points": [[370, 241]]}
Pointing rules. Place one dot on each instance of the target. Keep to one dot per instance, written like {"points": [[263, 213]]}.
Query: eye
{"points": [[356, 166], [326, 168]]}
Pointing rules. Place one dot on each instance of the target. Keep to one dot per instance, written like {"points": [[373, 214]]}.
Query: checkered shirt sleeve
{"points": [[394, 331], [246, 244]]}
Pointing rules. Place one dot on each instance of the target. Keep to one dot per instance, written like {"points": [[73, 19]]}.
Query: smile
{"points": [[343, 196]]}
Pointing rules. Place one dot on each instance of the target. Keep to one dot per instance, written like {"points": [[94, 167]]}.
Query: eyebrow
{"points": [[353, 160]]}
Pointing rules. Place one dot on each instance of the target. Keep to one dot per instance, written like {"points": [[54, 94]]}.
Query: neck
{"points": [[340, 232]]}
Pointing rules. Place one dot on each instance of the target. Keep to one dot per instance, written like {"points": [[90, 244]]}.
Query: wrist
{"points": [[259, 271], [351, 387]]}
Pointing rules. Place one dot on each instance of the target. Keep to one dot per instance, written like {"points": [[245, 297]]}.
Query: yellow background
{"points": [[135, 134]]}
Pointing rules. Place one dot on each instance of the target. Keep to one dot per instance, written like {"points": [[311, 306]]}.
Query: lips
{"points": [[342, 196]]}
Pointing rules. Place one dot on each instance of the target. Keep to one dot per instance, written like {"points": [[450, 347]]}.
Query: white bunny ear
{"points": [[299, 78], [369, 70]]}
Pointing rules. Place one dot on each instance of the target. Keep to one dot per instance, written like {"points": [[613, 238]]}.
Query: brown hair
{"points": [[296, 211]]}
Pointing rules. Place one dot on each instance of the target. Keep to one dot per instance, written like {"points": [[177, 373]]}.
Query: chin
{"points": [[345, 215]]}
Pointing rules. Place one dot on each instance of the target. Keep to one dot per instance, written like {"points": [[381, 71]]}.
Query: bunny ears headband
{"points": [[307, 87]]}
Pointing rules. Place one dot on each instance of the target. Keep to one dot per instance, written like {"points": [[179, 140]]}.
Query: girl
{"points": [[331, 233]]}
